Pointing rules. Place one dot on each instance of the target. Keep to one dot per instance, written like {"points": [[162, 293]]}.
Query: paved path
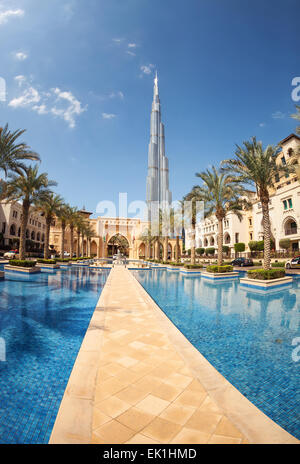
{"points": [[145, 392]]}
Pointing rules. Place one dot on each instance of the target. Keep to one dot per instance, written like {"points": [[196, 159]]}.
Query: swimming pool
{"points": [[43, 320], [245, 334]]}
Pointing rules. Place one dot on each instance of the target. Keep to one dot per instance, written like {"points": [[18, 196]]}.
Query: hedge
{"points": [[262, 274], [280, 264], [21, 263], [193, 266], [219, 269], [175, 264], [210, 251], [46, 261]]}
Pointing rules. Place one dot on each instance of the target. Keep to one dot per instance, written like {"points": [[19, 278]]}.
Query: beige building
{"points": [[102, 244], [10, 226], [284, 211]]}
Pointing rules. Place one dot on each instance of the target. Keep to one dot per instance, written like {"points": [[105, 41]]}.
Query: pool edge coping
{"points": [[248, 418], [73, 423]]}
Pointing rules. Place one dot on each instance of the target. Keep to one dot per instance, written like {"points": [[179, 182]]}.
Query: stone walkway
{"points": [[145, 393], [137, 379]]}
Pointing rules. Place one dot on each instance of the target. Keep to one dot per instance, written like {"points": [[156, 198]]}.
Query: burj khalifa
{"points": [[158, 165]]}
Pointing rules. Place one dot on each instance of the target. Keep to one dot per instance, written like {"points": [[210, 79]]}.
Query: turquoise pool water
{"points": [[43, 320], [245, 334]]}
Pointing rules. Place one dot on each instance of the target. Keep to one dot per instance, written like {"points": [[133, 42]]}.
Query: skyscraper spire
{"points": [[158, 165]]}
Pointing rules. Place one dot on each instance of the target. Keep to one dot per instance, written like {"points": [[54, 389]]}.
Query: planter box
{"points": [[265, 284], [24, 270], [173, 268], [1, 275], [60, 264], [47, 266], [220, 275], [191, 271]]}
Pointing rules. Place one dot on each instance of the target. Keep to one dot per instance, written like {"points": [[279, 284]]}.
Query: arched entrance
{"points": [[118, 242]]}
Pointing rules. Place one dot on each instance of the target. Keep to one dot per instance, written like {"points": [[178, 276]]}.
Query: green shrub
{"points": [[280, 264], [285, 243], [262, 274], [189, 252], [193, 266], [175, 264], [225, 249], [257, 263], [60, 260], [219, 269], [239, 247], [200, 251], [46, 261], [210, 251], [22, 263]]}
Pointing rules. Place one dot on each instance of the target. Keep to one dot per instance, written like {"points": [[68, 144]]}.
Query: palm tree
{"points": [[176, 226], [256, 166], [72, 218], [62, 215], [50, 207], [148, 239], [14, 153], [30, 187], [220, 195], [193, 197]]}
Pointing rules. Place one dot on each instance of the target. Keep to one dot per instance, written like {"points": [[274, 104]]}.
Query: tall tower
{"points": [[158, 164]]}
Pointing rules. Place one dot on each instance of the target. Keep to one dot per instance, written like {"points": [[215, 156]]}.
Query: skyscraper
{"points": [[158, 164]]}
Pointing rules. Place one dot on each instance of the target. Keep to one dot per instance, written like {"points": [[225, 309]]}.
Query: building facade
{"points": [[10, 227], [284, 211]]}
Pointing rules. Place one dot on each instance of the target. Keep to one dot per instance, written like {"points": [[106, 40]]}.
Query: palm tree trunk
{"points": [[166, 244], [47, 234], [220, 242], [267, 234], [193, 248], [157, 249], [82, 245], [24, 221], [72, 240], [78, 243], [62, 244], [177, 249]]}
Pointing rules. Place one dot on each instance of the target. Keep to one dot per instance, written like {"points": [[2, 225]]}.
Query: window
{"points": [[3, 227], [287, 204], [251, 236], [250, 222], [283, 161], [277, 178], [290, 152], [236, 238]]}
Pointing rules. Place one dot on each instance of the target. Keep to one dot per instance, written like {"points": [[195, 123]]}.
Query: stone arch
{"points": [[27, 233], [142, 250], [33, 235], [170, 249], [13, 230], [94, 248], [290, 226], [38, 237], [212, 241], [227, 239], [205, 242], [118, 242]]}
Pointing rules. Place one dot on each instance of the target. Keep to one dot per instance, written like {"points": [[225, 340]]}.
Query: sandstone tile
{"points": [[152, 405], [112, 432], [113, 406], [135, 419], [226, 428], [161, 430], [220, 440], [203, 421], [177, 414], [190, 437]]}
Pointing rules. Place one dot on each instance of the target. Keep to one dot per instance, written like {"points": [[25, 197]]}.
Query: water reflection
{"points": [[245, 333]]}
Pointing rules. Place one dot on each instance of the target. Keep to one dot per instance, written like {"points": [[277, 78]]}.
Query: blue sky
{"points": [[79, 77]]}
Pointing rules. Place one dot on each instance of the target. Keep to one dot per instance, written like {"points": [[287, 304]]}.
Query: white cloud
{"points": [[117, 41], [262, 124], [6, 14], [20, 80], [130, 53], [29, 96], [62, 104], [147, 69], [118, 94], [40, 109], [278, 115], [108, 115], [21, 56], [69, 112], [132, 45]]}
